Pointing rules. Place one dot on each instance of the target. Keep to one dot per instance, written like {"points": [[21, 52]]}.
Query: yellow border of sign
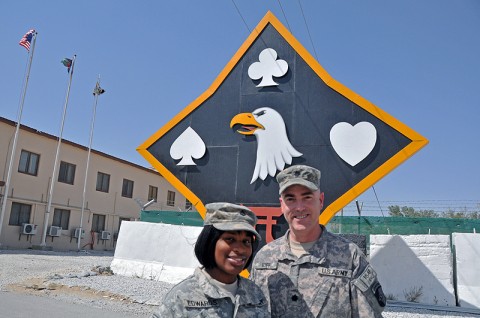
{"points": [[418, 141]]}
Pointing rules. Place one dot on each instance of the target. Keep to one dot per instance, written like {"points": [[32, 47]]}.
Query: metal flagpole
{"points": [[52, 182], [97, 91], [15, 138]]}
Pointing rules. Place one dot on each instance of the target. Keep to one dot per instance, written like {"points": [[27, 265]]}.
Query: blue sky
{"points": [[416, 60]]}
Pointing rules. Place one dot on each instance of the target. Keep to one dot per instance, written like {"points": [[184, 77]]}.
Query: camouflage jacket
{"points": [[196, 296], [334, 280]]}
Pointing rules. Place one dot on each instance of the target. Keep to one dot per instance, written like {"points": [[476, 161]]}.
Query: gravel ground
{"points": [[84, 278]]}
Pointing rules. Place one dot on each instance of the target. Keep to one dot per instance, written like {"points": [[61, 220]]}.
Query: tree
{"points": [[405, 211], [452, 214]]}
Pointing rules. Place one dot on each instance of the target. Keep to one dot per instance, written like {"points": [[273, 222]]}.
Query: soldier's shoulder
{"points": [[248, 284], [342, 245], [271, 247], [338, 239], [187, 285]]}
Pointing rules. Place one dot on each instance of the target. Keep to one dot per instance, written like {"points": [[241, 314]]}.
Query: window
{"points": [[20, 213], [61, 218], [103, 181], [171, 198], [98, 223], [66, 173], [28, 163], [127, 188], [188, 205], [152, 193], [120, 222]]}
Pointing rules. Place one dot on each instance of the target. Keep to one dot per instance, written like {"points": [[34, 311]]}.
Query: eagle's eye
{"points": [[260, 113]]}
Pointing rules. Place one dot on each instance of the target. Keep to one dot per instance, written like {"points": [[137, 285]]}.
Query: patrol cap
{"points": [[231, 217], [299, 174]]}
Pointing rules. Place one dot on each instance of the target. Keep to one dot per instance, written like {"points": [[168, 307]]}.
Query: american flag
{"points": [[27, 39]]}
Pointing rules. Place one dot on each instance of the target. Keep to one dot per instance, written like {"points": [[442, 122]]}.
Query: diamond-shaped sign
{"points": [[272, 106]]}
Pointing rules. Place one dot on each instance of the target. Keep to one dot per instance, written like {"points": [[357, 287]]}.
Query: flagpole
{"points": [[15, 138], [52, 182], [96, 92]]}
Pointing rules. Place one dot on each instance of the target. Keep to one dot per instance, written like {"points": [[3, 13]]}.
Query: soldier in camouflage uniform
{"points": [[224, 248], [310, 272]]}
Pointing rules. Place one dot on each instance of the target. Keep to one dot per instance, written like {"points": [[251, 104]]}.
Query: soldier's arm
{"points": [[368, 299]]}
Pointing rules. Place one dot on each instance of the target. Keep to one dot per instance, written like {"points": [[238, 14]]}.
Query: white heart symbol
{"points": [[353, 143]]}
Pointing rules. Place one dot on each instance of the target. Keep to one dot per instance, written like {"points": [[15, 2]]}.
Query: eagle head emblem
{"points": [[274, 150]]}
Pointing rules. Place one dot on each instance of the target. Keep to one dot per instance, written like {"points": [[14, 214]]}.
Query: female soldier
{"points": [[224, 248]]}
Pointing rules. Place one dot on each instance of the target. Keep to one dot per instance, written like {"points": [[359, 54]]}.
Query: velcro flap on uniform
{"points": [[272, 265], [335, 272], [366, 279], [200, 303]]}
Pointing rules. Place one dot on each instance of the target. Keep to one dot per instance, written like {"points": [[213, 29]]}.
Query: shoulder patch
{"points": [[366, 279]]}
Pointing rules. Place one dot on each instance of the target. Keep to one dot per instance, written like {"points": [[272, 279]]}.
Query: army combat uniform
{"points": [[196, 296], [333, 280]]}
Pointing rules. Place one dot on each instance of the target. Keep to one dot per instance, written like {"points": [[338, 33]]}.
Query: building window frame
{"points": [[29, 162], [20, 213], [152, 193], [98, 222], [66, 173], [127, 188], [103, 182], [61, 218], [170, 198]]}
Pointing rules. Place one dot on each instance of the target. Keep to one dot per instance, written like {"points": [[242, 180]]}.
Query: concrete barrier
{"points": [[416, 268], [467, 257], [410, 268], [155, 251]]}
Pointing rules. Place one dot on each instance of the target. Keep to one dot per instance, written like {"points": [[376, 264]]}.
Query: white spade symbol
{"points": [[188, 146]]}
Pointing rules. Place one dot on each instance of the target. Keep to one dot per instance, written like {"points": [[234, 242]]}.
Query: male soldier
{"points": [[310, 272]]}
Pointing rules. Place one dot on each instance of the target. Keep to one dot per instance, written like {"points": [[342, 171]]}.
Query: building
{"points": [[115, 191]]}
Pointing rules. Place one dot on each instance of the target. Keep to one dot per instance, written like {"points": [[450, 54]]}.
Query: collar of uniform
{"points": [[317, 254], [208, 288], [245, 296]]}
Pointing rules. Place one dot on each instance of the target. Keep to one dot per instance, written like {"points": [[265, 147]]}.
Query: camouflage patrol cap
{"points": [[231, 217], [303, 175]]}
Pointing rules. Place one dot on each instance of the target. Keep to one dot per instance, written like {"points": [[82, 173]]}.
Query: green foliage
{"points": [[452, 214], [405, 211], [413, 295]]}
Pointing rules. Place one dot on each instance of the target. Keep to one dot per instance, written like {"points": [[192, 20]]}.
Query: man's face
{"points": [[301, 208]]}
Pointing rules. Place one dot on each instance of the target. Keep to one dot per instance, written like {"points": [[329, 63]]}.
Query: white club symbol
{"points": [[267, 67]]}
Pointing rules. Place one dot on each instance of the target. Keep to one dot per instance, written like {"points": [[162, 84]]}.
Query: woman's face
{"points": [[232, 251]]}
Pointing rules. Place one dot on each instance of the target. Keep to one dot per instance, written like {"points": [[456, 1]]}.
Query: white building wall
{"points": [[33, 190]]}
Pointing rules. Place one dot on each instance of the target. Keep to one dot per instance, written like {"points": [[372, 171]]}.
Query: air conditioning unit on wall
{"points": [[55, 231], [106, 235], [77, 232], [29, 229]]}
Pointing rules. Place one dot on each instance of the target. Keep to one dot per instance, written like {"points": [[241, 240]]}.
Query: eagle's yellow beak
{"points": [[248, 123]]}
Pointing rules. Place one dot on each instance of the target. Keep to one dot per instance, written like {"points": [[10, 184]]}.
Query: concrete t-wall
{"points": [[156, 251], [467, 255], [414, 264]]}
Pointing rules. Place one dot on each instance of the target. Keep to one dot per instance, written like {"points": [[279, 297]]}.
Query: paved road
{"points": [[20, 306]]}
